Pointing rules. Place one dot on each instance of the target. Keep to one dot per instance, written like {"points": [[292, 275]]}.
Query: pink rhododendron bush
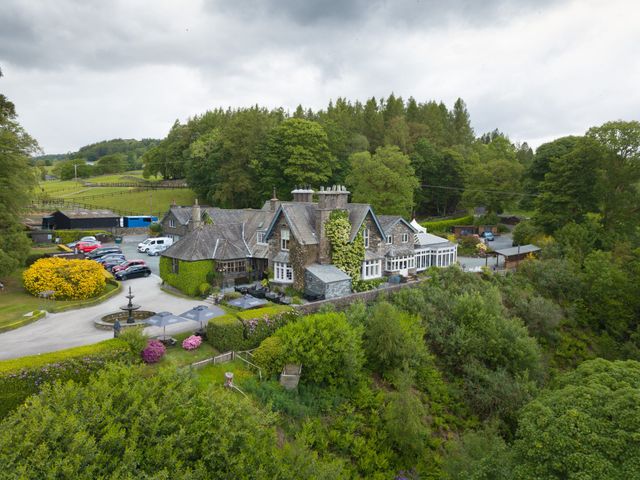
{"points": [[153, 352], [192, 342]]}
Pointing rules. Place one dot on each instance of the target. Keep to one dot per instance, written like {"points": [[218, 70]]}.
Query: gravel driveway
{"points": [[75, 327]]}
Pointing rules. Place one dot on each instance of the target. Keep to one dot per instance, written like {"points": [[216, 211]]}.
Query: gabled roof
{"points": [[301, 220], [210, 242], [357, 214], [389, 221], [84, 213]]}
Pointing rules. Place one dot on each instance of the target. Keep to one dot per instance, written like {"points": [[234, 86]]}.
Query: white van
{"points": [[155, 250], [153, 242]]}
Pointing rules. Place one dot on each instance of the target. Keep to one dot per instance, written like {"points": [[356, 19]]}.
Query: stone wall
{"points": [[314, 286]]}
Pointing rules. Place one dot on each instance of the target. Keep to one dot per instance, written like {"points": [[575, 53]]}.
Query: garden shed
{"points": [[514, 255], [326, 281], [81, 218]]}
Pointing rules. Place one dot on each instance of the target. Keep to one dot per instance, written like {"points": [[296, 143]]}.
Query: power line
{"points": [[487, 190]]}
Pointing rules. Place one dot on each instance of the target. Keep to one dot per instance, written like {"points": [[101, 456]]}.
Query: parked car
{"points": [[110, 258], [488, 236], [133, 272], [155, 250], [127, 264], [87, 247], [151, 242], [114, 262], [83, 239], [102, 251]]}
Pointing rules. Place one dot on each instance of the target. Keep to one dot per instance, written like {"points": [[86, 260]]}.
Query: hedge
{"points": [[22, 377], [246, 330], [190, 274], [446, 225], [68, 236]]}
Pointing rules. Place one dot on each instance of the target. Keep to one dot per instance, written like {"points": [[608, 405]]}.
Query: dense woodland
{"points": [[533, 374]]}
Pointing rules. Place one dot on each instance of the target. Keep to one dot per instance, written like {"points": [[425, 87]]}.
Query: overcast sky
{"points": [[81, 71]]}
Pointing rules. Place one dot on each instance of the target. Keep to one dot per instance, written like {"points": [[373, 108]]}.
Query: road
{"points": [[73, 328], [129, 247]]}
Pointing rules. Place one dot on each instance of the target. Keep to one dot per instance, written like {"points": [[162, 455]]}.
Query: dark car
{"points": [[133, 272], [114, 262], [108, 256], [99, 252]]}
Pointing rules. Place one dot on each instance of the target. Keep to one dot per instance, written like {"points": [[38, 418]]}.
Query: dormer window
{"points": [[284, 240], [405, 237], [260, 237], [365, 236], [389, 239], [172, 223]]}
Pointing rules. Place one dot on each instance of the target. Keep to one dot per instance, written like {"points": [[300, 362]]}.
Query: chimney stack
{"points": [[304, 195], [329, 199], [196, 217], [274, 203]]}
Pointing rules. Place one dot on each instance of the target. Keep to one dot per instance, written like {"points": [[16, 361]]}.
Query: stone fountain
{"points": [[130, 307], [130, 316]]}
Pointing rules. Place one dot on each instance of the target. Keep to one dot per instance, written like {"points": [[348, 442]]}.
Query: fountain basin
{"points": [[106, 322]]}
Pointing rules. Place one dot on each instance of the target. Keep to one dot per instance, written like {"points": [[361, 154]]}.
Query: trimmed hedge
{"points": [[446, 225], [190, 274], [22, 377], [246, 330], [68, 236]]}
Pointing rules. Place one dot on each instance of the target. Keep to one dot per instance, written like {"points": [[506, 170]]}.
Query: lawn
{"points": [[214, 374], [15, 301]]}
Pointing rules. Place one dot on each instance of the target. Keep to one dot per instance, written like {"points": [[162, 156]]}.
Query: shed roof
{"points": [[521, 250], [84, 213], [327, 273]]}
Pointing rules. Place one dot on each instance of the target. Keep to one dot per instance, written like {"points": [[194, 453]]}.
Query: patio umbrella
{"points": [[202, 313], [247, 301], [163, 319]]}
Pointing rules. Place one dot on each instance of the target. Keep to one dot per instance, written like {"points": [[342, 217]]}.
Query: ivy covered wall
{"points": [[190, 274], [347, 256]]}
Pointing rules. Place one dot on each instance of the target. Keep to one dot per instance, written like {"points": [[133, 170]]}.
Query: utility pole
{"points": [[75, 169]]}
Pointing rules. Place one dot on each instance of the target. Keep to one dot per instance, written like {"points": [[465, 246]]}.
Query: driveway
{"points": [[75, 327], [501, 241]]}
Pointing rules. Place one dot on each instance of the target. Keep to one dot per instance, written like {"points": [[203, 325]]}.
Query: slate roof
{"points": [[400, 251], [357, 214], [522, 249], [210, 242], [301, 219], [387, 222], [328, 273]]}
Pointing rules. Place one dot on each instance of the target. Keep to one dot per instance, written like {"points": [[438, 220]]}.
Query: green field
{"points": [[123, 199]]}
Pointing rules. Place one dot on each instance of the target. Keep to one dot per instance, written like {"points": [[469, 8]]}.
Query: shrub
{"points": [[153, 352], [192, 342], [204, 289], [155, 229], [226, 333], [24, 376], [135, 339], [269, 355], [446, 225], [231, 296], [69, 279]]}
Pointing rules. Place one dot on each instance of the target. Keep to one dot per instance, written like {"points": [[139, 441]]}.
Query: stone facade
{"points": [[317, 288]]}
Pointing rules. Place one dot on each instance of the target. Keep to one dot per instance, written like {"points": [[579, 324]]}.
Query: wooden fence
{"points": [[229, 357]]}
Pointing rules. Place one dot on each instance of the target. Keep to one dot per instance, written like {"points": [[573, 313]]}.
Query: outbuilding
{"points": [[326, 281], [81, 218], [514, 255]]}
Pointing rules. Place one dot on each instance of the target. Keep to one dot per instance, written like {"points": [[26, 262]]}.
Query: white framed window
{"points": [[365, 236], [172, 223], [233, 266], [371, 269], [404, 262], [282, 272], [284, 240], [389, 239], [260, 237], [405, 237], [175, 265]]}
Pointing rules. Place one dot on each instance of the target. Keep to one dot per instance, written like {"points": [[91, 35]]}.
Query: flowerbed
{"points": [[68, 279]]}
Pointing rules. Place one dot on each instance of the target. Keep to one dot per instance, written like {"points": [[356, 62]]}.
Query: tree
{"points": [[125, 424], [329, 348], [462, 133], [386, 180], [16, 183], [70, 169], [113, 163], [297, 153], [584, 427], [572, 186], [393, 339]]}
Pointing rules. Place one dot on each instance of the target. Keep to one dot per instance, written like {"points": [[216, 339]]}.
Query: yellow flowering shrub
{"points": [[69, 279]]}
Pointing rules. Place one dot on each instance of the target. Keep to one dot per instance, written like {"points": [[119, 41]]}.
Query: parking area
{"points": [[129, 248], [472, 263]]}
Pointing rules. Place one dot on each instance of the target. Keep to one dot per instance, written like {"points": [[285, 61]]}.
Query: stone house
{"points": [[287, 241]]}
